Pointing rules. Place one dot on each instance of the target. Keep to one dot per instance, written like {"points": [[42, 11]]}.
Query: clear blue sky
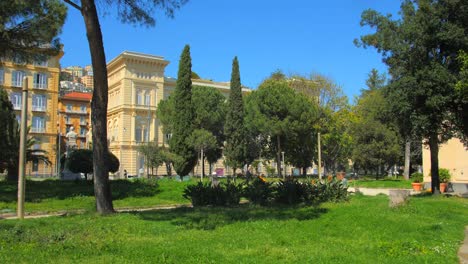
{"points": [[299, 36]]}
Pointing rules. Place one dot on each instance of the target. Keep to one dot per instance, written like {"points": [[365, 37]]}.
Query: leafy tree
{"points": [[461, 90], [7, 133], [420, 50], [151, 152], [183, 126], [28, 28], [234, 129], [202, 141], [375, 81], [284, 121], [377, 145], [81, 161], [129, 11]]}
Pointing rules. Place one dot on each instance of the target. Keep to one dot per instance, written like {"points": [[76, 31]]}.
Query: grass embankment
{"points": [[54, 195], [427, 230]]}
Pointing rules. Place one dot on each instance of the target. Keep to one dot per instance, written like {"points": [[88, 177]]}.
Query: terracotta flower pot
{"points": [[417, 186], [443, 187]]}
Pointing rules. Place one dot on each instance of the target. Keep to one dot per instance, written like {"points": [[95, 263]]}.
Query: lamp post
{"points": [[59, 143], [22, 153]]}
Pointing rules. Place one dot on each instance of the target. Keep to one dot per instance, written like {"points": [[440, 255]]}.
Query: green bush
{"points": [[259, 191], [444, 175], [332, 191], [289, 191], [417, 177], [204, 194]]}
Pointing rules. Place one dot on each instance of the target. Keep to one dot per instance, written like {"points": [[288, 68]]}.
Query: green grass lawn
{"points": [[364, 230], [54, 195], [383, 183]]}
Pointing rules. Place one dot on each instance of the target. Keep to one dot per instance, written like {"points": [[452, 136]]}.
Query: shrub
{"points": [[204, 194], [289, 191], [444, 175], [332, 191], [417, 177], [258, 191]]}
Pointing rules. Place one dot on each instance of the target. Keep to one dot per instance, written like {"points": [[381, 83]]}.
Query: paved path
{"points": [[376, 191]]}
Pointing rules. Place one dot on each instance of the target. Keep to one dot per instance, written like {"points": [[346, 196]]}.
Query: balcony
{"points": [[41, 86], [37, 129], [83, 123], [39, 108], [16, 106], [80, 112], [17, 83]]}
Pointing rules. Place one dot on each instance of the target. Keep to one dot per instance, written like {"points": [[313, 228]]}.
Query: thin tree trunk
{"points": [[406, 172], [102, 189], [278, 157], [434, 148], [304, 171]]}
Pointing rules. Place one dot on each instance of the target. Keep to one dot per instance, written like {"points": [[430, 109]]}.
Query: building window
{"points": [[139, 98], [82, 120], [83, 132], [17, 78], [69, 108], [18, 119], [38, 124], [2, 74], [147, 98], [39, 102], [40, 81], [16, 100], [83, 108], [67, 120]]}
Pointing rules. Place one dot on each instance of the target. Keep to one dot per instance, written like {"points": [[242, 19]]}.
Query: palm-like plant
{"points": [[32, 155]]}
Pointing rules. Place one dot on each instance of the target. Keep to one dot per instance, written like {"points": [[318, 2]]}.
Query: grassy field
{"points": [[53, 195], [427, 230], [384, 183]]}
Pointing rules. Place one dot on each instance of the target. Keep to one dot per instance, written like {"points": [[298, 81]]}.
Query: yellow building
{"points": [[452, 156], [43, 83], [136, 85], [74, 111]]}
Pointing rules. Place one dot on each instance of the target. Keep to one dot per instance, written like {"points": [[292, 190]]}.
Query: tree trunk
{"points": [[304, 171], [102, 189], [278, 157], [434, 148], [406, 172]]}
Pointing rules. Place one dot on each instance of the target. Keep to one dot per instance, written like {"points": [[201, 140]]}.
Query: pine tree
{"points": [[235, 150], [183, 117]]}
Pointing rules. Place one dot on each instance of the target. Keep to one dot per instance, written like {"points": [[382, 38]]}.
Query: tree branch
{"points": [[73, 4]]}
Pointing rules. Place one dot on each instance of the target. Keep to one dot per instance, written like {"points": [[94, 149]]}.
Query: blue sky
{"points": [[298, 36]]}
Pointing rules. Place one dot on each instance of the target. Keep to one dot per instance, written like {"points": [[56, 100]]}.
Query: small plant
{"points": [[444, 175], [258, 191], [204, 194], [289, 191], [417, 177]]}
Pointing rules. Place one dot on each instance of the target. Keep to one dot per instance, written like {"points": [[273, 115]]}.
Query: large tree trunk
{"points": [[434, 148], [406, 172], [278, 157], [102, 189]]}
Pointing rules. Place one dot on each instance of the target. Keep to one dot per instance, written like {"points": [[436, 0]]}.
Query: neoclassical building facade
{"points": [[137, 84]]}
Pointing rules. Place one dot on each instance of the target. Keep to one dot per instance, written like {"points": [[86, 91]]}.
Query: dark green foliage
{"points": [[417, 177], [183, 117], [234, 129], [28, 28], [81, 161], [259, 191], [289, 191], [204, 194], [7, 132]]}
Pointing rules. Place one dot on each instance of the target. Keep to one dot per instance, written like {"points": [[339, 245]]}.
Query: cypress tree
{"points": [[183, 117], [7, 133], [235, 150]]}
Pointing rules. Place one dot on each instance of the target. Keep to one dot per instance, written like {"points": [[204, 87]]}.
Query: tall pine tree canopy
{"points": [[183, 126], [7, 132], [29, 28], [234, 129]]}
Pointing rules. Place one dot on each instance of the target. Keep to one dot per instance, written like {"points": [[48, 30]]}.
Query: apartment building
{"points": [[43, 86], [74, 110], [137, 84]]}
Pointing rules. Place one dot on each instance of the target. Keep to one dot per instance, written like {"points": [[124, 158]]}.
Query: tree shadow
{"points": [[36, 191], [210, 218]]}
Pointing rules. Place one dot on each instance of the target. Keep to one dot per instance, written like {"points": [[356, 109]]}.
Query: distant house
{"points": [[453, 156]]}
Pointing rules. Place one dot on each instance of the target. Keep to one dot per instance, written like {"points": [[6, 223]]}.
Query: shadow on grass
{"points": [[36, 191], [209, 218]]}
